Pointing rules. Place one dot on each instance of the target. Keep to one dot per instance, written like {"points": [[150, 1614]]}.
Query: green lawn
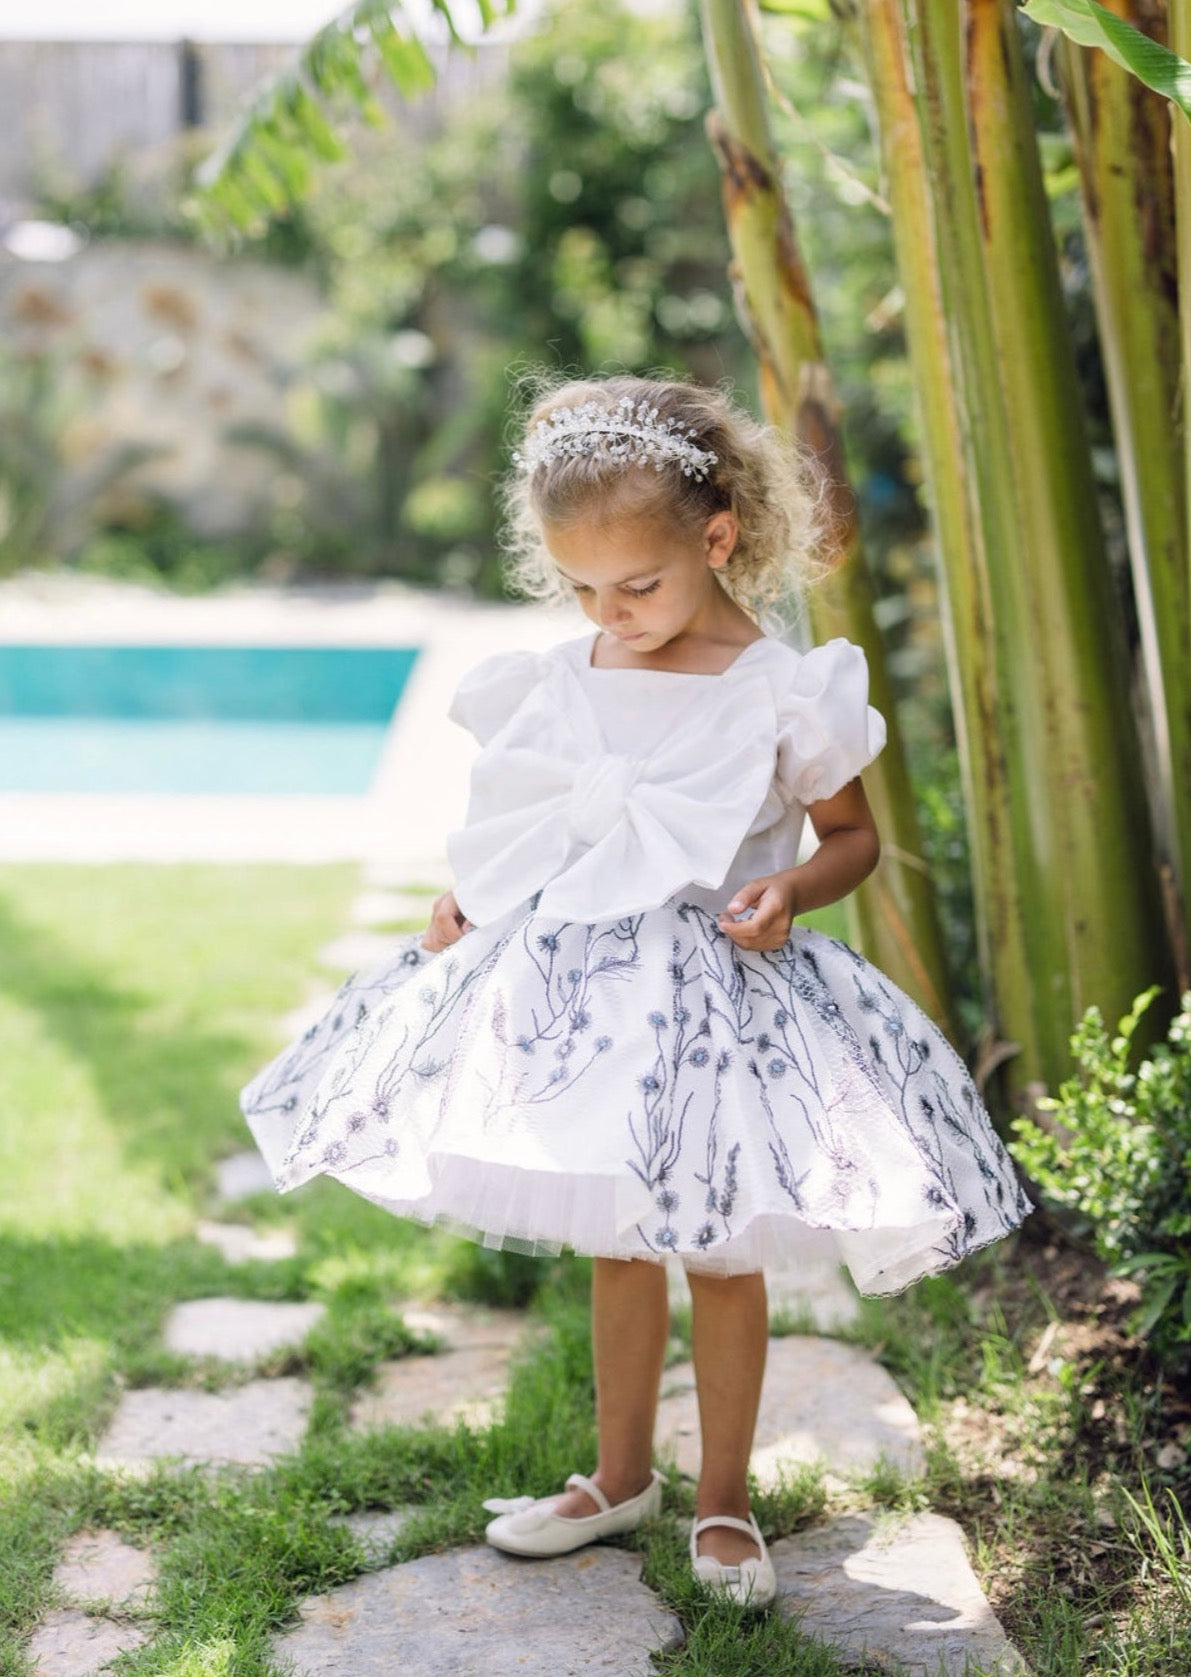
{"points": [[134, 1002]]}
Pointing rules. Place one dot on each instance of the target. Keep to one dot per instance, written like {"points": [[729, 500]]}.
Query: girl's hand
{"points": [[447, 924], [774, 908], [848, 851]]}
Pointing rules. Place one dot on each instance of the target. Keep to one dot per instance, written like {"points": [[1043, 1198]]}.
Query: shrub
{"points": [[1119, 1155]]}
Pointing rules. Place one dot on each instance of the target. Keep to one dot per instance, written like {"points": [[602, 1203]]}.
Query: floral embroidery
{"points": [[732, 1086]]}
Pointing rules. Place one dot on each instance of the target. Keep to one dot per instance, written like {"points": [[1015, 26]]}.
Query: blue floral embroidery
{"points": [[740, 1080]]}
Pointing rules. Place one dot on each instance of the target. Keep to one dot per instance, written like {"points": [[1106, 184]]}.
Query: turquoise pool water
{"points": [[195, 719]]}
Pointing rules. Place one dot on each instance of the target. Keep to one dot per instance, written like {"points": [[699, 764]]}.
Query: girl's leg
{"points": [[729, 1336], [630, 1321]]}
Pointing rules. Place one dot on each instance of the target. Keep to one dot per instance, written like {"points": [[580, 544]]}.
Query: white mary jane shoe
{"points": [[526, 1527], [752, 1583]]}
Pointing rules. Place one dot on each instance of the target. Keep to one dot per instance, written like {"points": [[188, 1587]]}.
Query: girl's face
{"points": [[641, 578]]}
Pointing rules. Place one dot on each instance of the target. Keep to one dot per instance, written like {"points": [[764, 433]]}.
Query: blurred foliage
{"points": [[266, 159], [566, 213], [131, 196], [570, 217], [32, 417], [47, 502]]}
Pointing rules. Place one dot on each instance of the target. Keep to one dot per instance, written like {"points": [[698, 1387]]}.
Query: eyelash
{"points": [[637, 593]]}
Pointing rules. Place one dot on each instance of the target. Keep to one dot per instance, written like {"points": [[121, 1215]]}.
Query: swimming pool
{"points": [[196, 719]]}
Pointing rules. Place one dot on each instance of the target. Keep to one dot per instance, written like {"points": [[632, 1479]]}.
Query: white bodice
{"points": [[610, 790]]}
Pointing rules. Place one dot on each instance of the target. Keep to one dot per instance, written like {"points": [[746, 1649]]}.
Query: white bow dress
{"points": [[596, 1065]]}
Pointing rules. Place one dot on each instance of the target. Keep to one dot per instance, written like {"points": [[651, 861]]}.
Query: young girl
{"points": [[612, 1036]]}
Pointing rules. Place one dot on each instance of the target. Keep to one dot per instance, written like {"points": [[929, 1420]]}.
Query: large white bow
{"points": [[602, 835]]}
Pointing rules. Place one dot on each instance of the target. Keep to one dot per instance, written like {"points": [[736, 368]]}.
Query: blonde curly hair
{"points": [[776, 493]]}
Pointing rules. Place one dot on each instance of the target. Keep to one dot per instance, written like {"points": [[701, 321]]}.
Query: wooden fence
{"points": [[73, 107]]}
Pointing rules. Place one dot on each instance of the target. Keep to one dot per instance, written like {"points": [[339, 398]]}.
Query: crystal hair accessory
{"points": [[630, 434]]}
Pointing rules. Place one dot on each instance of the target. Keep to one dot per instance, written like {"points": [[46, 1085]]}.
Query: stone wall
{"points": [[167, 349]]}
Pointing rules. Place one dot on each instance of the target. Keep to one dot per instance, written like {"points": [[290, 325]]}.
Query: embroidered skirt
{"points": [[641, 1087]]}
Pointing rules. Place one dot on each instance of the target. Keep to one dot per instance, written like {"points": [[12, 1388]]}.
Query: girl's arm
{"points": [[849, 848]]}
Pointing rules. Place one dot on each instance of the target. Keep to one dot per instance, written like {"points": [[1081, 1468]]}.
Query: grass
{"points": [[133, 1004]]}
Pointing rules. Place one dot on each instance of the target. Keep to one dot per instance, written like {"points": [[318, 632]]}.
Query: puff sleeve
{"points": [[827, 730], [491, 693]]}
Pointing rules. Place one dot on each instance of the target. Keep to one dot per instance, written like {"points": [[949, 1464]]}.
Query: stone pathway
{"points": [[99, 1565], [376, 1531], [238, 1330], [248, 1425], [897, 1587], [99, 1572], [357, 951], [241, 1175], [241, 1244], [384, 908], [68, 1643], [890, 1588], [880, 1588], [476, 1613], [823, 1401], [466, 1381]]}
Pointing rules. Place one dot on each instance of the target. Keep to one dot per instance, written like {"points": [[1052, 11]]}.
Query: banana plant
{"points": [[1090, 24], [1180, 40], [1122, 131], [1064, 881], [265, 164], [894, 915]]}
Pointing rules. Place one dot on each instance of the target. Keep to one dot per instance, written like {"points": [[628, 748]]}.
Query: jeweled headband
{"points": [[631, 434]]}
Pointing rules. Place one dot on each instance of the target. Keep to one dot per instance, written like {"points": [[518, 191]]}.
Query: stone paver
{"points": [[69, 1644], [466, 1381], [238, 1330], [454, 1386], [299, 1020], [357, 951], [249, 1424], [900, 1588], [822, 1300], [100, 1566], [476, 1613], [376, 1530], [241, 1244], [466, 1327], [242, 1174], [822, 1401], [826, 1300], [382, 908], [388, 873]]}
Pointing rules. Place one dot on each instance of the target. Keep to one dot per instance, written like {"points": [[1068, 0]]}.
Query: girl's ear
{"points": [[719, 538]]}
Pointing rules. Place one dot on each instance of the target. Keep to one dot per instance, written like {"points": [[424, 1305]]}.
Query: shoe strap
{"points": [[748, 1527], [582, 1483]]}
